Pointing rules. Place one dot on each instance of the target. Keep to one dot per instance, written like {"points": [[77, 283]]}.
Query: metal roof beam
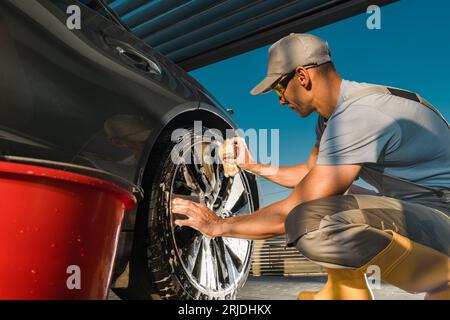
{"points": [[200, 22], [159, 24], [151, 11], [267, 36], [124, 7], [235, 26]]}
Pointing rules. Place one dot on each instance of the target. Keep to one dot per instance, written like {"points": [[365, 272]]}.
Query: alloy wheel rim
{"points": [[216, 266]]}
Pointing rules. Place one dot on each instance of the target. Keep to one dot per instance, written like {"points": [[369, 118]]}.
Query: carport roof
{"points": [[195, 33]]}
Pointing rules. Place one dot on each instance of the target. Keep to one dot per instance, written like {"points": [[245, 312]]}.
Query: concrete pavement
{"points": [[286, 288]]}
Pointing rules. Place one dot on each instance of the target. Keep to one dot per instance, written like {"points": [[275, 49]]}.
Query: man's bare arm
{"points": [[262, 224], [288, 176], [320, 182]]}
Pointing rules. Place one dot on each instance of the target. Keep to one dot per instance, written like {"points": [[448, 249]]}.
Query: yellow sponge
{"points": [[227, 154]]}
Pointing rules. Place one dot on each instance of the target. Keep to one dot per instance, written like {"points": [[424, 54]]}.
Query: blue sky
{"points": [[411, 51]]}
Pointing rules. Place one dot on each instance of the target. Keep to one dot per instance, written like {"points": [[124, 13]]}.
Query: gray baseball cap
{"points": [[296, 49]]}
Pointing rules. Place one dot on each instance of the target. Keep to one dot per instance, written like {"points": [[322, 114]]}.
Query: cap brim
{"points": [[265, 85]]}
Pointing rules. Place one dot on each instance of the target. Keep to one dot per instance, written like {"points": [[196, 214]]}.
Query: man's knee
{"points": [[342, 245], [333, 230], [309, 216], [328, 243]]}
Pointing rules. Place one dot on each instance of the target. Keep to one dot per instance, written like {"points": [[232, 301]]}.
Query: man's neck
{"points": [[329, 97]]}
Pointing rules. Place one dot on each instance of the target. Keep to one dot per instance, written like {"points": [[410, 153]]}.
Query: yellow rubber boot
{"points": [[413, 267], [342, 284], [442, 293]]}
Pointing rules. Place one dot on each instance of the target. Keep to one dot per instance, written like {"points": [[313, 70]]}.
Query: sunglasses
{"points": [[280, 86]]}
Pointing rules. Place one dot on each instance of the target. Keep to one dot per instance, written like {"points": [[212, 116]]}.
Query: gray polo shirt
{"points": [[395, 136]]}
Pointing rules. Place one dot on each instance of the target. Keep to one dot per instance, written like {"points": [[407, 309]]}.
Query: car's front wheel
{"points": [[171, 262]]}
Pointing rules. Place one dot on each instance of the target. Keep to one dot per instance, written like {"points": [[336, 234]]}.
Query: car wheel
{"points": [[172, 262]]}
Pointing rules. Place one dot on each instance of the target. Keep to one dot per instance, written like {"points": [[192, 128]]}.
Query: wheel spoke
{"points": [[215, 263], [236, 201], [208, 273], [194, 176], [222, 264], [242, 207], [190, 250], [232, 270], [203, 169], [197, 260], [237, 249], [235, 192], [207, 169], [188, 179]]}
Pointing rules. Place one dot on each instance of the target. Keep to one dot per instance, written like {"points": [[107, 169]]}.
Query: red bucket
{"points": [[58, 232]]}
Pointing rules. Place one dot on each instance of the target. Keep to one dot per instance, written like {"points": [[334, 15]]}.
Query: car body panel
{"points": [[68, 95], [72, 97]]}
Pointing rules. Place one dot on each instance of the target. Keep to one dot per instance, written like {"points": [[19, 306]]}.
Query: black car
{"points": [[100, 101]]}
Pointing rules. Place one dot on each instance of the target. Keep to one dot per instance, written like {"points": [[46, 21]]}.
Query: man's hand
{"points": [[240, 155], [200, 217]]}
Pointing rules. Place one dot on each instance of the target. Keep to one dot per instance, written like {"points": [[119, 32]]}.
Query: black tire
{"points": [[161, 265]]}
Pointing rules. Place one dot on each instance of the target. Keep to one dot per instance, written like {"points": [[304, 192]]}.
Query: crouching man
{"points": [[391, 138]]}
